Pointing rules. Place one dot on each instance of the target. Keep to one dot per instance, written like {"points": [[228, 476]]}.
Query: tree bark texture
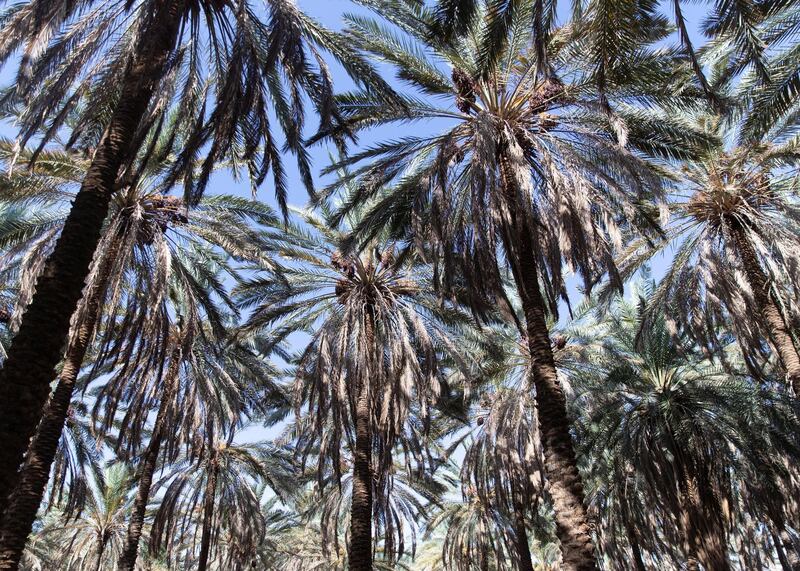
{"points": [[24, 503], [779, 330], [360, 548], [208, 516], [39, 344], [149, 463], [561, 467]]}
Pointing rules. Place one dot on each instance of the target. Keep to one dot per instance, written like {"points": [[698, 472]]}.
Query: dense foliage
{"points": [[540, 311]]}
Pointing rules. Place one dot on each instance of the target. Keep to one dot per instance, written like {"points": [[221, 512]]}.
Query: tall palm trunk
{"points": [[778, 543], [208, 514], [38, 346], [101, 549], [561, 467], [360, 550], [779, 330], [636, 550], [35, 472], [701, 520], [360, 556], [521, 534], [127, 559]]}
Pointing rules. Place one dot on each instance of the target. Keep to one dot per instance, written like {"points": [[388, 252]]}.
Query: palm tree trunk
{"points": [[101, 549], [35, 472], [127, 559], [778, 543], [636, 550], [701, 521], [208, 516], [779, 330], [521, 534], [561, 467], [39, 344], [360, 550]]}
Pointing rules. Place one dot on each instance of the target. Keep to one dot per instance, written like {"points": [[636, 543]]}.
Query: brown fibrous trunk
{"points": [[701, 520], [360, 548], [24, 503], [39, 344], [208, 516], [149, 462], [779, 330], [521, 534], [561, 467]]}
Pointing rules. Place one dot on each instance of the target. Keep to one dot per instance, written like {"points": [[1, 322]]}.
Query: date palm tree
{"points": [[474, 535], [378, 336], [744, 37], [684, 451], [755, 66], [503, 462], [153, 244], [203, 69], [292, 542], [531, 168], [404, 499], [735, 220], [218, 490], [79, 461], [91, 539], [204, 379]]}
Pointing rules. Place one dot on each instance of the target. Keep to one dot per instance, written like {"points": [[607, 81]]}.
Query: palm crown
{"points": [[680, 438], [734, 221], [416, 310]]}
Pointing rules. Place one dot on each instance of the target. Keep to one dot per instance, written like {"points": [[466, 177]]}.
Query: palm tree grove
{"points": [[414, 285]]}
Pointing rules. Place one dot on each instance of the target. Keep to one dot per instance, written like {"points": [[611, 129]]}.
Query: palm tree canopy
{"points": [[576, 160], [654, 406], [745, 188], [233, 62]]}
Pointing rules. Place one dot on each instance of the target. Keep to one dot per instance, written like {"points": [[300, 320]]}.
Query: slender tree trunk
{"points": [[636, 550], [101, 549], [785, 547], [35, 472], [701, 521], [779, 330], [521, 534], [208, 516], [561, 468], [38, 346], [360, 549], [127, 559]]}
